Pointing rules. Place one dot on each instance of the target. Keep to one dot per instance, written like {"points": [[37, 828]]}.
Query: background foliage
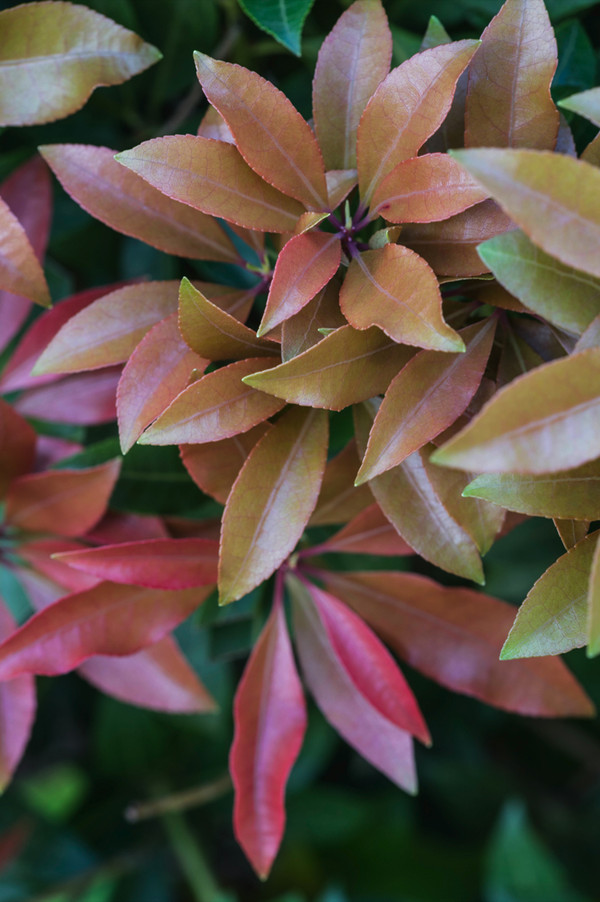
{"points": [[508, 807]]}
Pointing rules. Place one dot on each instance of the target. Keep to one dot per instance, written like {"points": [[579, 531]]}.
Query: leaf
{"points": [[304, 267], [303, 330], [107, 619], [346, 367], [542, 422], [214, 466], [427, 396], [552, 197], [410, 500], [454, 636], [354, 58], [552, 619], [395, 289], [406, 109], [369, 532], [586, 104], [283, 19], [107, 331], [20, 270], [215, 407], [356, 683], [17, 446], [269, 132], [508, 99], [340, 183], [339, 499], [270, 722], [158, 677], [17, 704], [63, 502], [215, 334], [213, 177], [566, 297], [125, 202], [571, 531], [425, 189], [271, 501], [593, 606], [159, 369], [153, 563], [570, 494], [45, 77], [38, 554], [591, 337]]}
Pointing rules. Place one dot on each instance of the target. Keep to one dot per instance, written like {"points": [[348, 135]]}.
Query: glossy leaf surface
{"points": [[283, 19]]}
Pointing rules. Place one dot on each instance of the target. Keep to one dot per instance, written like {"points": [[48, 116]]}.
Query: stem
{"points": [[192, 860], [179, 801]]}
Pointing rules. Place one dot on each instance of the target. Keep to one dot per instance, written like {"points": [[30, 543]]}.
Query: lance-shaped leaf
{"points": [[107, 619], [269, 132], [339, 499], [107, 331], [270, 721], [346, 367], [125, 202], [411, 501], [357, 684], [354, 58], [395, 289], [553, 617], [552, 197], [215, 407], [271, 501], [571, 531], [283, 19], [213, 177], [17, 712], [586, 103], [369, 532], [20, 269], [38, 554], [79, 398], [426, 189], [158, 677], [454, 636], [569, 494], [303, 268], [44, 77], [63, 502], [214, 466], [158, 370], [17, 446], [508, 100], [154, 563], [302, 331], [406, 109], [593, 612], [215, 334], [426, 397], [544, 421], [450, 247], [566, 297]]}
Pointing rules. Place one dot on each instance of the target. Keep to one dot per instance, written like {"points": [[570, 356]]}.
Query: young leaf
{"points": [[454, 636], [593, 606], [283, 19], [215, 407], [270, 722], [552, 197], [45, 77], [157, 677], [508, 99], [38, 554], [271, 501], [17, 446], [346, 367], [269, 132], [153, 563], [20, 270], [302, 331], [406, 109], [395, 289], [571, 531], [566, 297], [427, 396], [356, 683], [544, 421], [339, 499], [369, 532], [125, 202], [212, 177], [214, 466], [17, 704], [354, 58], [552, 619], [107, 331], [63, 502], [586, 103], [304, 266], [106, 620]]}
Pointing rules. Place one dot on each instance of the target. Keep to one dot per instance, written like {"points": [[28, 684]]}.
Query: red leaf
{"points": [[214, 466], [38, 553], [339, 499], [17, 446], [369, 532], [270, 721], [17, 712], [79, 398]]}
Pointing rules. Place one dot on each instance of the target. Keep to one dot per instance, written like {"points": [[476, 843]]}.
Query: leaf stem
{"points": [[179, 801], [192, 860]]}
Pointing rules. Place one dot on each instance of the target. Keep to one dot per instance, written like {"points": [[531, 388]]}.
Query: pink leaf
{"points": [[17, 712], [80, 398]]}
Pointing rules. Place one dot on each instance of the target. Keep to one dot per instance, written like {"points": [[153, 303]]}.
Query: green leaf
{"points": [[282, 19], [576, 58], [593, 621]]}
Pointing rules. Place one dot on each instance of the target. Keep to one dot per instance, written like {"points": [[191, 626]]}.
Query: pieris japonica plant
{"points": [[423, 255]]}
